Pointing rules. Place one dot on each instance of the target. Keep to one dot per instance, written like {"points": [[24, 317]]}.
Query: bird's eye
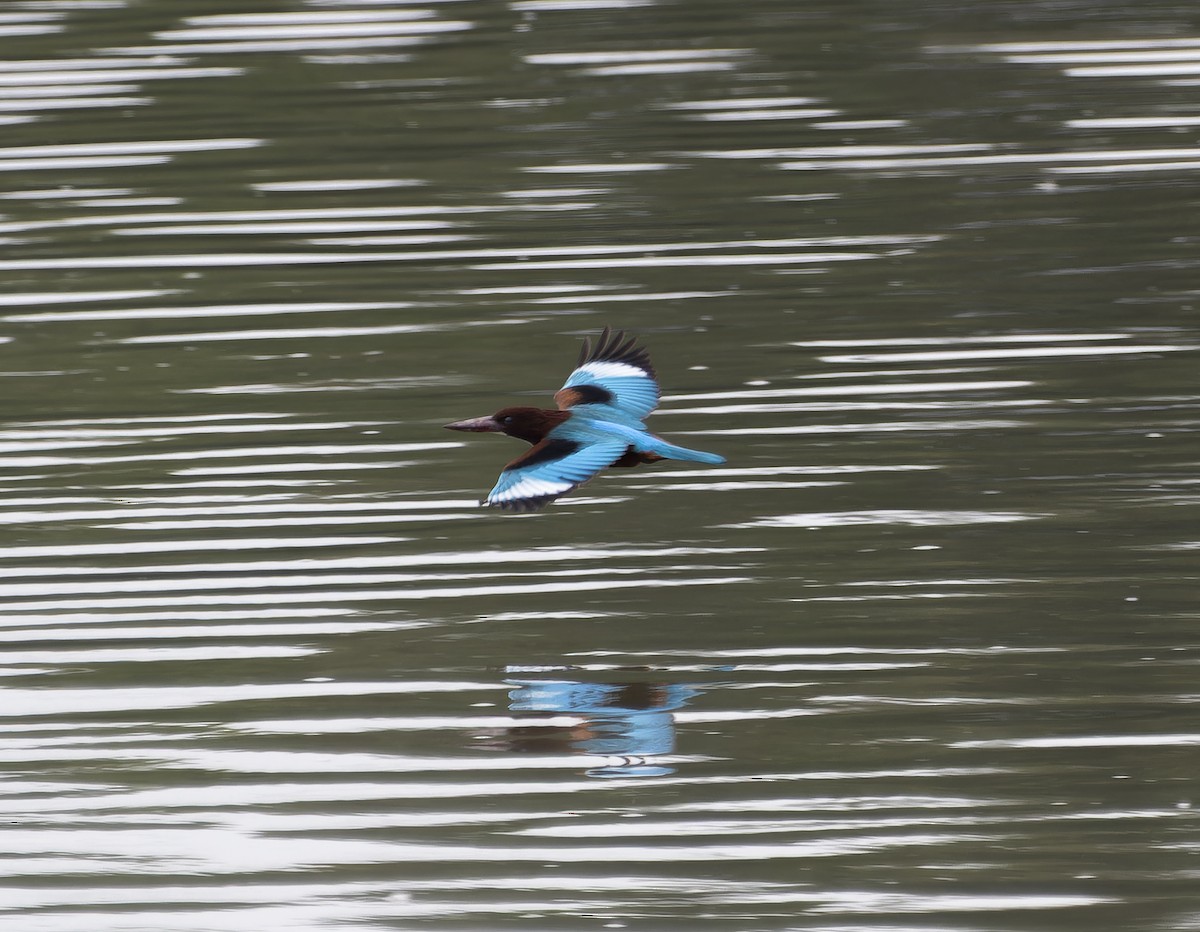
{"points": [[507, 419]]}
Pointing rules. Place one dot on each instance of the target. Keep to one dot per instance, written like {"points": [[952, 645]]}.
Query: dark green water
{"points": [[920, 656]]}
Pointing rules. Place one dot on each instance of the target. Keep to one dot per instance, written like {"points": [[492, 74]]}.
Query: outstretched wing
{"points": [[552, 468], [615, 375]]}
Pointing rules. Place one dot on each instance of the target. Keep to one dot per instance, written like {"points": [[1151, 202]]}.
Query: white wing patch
{"points": [[530, 487], [601, 369]]}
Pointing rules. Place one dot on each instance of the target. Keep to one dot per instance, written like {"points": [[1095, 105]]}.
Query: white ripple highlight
{"points": [[910, 518], [1053, 352]]}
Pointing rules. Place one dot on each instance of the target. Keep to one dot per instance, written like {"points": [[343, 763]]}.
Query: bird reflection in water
{"points": [[629, 722]]}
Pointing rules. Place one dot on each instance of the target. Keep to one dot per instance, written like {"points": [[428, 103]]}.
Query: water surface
{"points": [[919, 656]]}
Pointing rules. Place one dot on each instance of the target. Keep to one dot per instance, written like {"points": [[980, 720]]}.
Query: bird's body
{"points": [[598, 423]]}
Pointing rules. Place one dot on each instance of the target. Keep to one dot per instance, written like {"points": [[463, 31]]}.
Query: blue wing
{"points": [[613, 380], [552, 468]]}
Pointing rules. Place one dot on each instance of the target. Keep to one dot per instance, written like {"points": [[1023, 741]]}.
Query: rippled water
{"points": [[920, 656]]}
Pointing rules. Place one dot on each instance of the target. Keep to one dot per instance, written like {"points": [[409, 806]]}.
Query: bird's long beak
{"points": [[477, 424]]}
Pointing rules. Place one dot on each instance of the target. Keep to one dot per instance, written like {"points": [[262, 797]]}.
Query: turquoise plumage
{"points": [[598, 424]]}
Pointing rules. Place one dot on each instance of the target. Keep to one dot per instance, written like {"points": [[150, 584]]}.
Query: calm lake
{"points": [[920, 656]]}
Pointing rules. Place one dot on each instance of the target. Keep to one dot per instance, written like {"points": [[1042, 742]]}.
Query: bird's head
{"points": [[528, 424]]}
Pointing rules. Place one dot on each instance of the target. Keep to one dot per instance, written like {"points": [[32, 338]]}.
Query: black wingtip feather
{"points": [[616, 347], [522, 506]]}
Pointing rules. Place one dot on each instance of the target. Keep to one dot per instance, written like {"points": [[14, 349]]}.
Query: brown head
{"points": [[528, 424]]}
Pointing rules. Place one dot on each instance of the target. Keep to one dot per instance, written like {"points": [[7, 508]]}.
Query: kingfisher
{"points": [[598, 423]]}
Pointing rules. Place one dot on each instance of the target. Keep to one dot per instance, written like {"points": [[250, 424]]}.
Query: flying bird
{"points": [[598, 423]]}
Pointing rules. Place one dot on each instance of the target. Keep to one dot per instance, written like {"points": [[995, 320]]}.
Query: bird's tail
{"points": [[672, 452]]}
